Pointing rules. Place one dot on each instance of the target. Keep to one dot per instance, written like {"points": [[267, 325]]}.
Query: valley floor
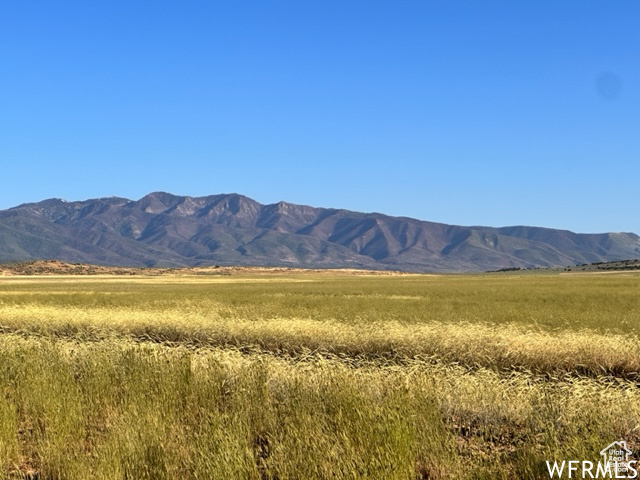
{"points": [[298, 375]]}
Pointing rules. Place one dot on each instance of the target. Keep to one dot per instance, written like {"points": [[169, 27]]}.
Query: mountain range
{"points": [[165, 230]]}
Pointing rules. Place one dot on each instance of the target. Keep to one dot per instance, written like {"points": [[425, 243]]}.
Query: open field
{"points": [[286, 376]]}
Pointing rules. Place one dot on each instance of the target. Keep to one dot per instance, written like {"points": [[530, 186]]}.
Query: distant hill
{"points": [[164, 230], [56, 267], [614, 266]]}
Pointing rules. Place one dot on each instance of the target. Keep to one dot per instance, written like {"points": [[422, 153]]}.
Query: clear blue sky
{"points": [[472, 113]]}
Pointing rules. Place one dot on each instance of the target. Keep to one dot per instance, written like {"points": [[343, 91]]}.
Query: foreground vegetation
{"points": [[315, 377]]}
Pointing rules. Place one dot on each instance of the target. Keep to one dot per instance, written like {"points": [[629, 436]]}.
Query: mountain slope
{"points": [[167, 230]]}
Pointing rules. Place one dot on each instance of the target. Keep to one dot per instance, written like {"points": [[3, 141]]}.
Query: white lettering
{"points": [[586, 470], [619, 469], [604, 470], [573, 467], [555, 469]]}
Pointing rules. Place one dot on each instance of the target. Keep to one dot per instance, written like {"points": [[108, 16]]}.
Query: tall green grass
{"points": [[278, 377], [117, 409], [604, 303], [587, 324]]}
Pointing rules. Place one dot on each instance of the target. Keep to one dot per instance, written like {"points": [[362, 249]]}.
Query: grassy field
{"points": [[315, 376]]}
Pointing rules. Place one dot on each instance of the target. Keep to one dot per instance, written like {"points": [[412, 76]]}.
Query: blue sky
{"points": [[471, 113]]}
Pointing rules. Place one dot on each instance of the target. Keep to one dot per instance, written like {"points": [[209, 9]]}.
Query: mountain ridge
{"points": [[166, 230]]}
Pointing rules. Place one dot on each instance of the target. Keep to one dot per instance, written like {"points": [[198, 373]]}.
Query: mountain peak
{"points": [[157, 202], [162, 229]]}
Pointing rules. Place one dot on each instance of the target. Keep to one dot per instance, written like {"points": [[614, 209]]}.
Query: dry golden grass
{"points": [[301, 376], [504, 346]]}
